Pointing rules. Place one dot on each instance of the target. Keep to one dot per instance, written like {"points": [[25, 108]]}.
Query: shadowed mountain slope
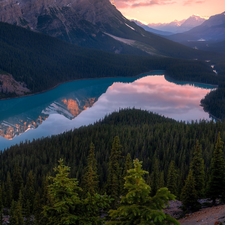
{"points": [[89, 23], [42, 62]]}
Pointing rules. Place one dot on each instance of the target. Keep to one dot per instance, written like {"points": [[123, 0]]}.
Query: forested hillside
{"points": [[144, 135], [43, 62], [168, 149]]}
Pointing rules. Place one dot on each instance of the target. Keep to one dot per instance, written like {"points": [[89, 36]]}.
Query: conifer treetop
{"points": [[138, 207]]}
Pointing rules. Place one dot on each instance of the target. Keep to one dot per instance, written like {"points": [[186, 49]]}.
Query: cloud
{"points": [[121, 4], [141, 3], [189, 2], [148, 3]]}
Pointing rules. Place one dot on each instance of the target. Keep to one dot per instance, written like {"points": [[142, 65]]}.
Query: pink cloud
{"points": [[149, 3], [141, 3], [121, 4], [189, 2]]}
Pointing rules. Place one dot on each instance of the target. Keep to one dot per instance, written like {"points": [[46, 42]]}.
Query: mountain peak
{"points": [[179, 26], [212, 29], [193, 21]]}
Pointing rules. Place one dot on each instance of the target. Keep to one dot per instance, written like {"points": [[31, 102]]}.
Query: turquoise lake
{"points": [[84, 102]]}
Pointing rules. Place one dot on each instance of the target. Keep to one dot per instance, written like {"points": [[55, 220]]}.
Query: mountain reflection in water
{"points": [[87, 101], [21, 123]]}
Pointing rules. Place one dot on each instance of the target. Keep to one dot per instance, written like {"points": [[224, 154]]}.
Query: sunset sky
{"points": [[161, 11]]}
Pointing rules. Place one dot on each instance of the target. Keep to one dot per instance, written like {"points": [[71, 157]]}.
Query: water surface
{"points": [[83, 102]]}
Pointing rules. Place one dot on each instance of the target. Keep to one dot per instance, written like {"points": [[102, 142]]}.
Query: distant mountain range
{"points": [[152, 30], [210, 35], [178, 26], [212, 29]]}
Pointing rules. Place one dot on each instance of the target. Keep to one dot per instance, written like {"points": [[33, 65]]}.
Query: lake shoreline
{"points": [[40, 92], [214, 85], [144, 73], [81, 103]]}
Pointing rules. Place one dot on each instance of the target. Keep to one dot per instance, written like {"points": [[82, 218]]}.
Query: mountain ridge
{"points": [[66, 20], [209, 36], [212, 29], [177, 26], [23, 51], [152, 30], [85, 23]]}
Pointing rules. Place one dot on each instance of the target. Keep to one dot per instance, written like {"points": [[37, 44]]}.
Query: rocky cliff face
{"points": [[9, 85], [77, 21], [54, 17]]}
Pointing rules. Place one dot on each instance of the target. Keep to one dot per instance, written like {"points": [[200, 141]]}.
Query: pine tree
{"points": [[155, 178], [1, 217], [27, 212], [114, 176], [64, 196], [37, 208], [66, 207], [90, 181], [4, 194], [29, 191], [1, 197], [20, 220], [12, 214], [40, 201], [189, 195], [138, 207], [217, 176], [1, 205], [128, 165], [197, 167], [172, 178], [17, 181], [9, 192], [44, 191], [161, 180]]}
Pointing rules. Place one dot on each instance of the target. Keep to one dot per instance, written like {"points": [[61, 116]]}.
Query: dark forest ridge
{"points": [[42, 62], [157, 141]]}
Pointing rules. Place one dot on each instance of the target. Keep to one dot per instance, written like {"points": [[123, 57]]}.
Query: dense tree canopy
{"points": [[167, 148]]}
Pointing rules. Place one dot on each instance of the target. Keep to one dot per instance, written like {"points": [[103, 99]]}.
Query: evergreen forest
{"points": [[125, 168], [94, 175]]}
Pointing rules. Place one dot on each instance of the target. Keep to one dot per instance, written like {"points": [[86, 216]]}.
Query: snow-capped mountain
{"points": [[179, 26]]}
